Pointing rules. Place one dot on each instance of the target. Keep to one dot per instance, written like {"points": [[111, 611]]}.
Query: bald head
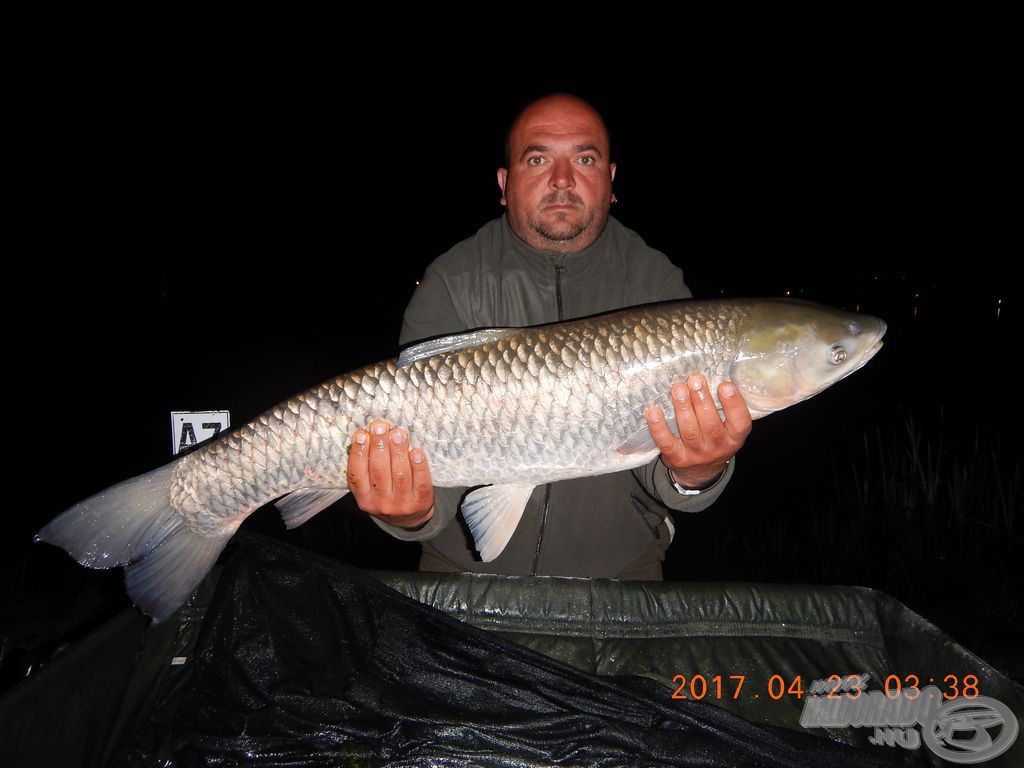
{"points": [[557, 186], [561, 103]]}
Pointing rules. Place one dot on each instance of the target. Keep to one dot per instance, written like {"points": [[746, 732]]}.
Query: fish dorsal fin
{"points": [[492, 514], [444, 344], [299, 506]]}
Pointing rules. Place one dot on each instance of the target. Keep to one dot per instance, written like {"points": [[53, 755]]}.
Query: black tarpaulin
{"points": [[304, 661]]}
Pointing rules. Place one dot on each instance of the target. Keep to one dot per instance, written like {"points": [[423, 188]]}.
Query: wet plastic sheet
{"points": [[304, 661]]}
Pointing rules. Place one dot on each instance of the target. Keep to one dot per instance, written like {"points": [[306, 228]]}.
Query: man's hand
{"points": [[388, 480], [706, 442]]}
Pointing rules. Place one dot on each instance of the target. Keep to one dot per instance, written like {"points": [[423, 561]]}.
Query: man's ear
{"points": [[502, 178], [611, 167]]}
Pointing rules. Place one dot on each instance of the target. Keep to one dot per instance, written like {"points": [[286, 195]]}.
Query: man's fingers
{"points": [[706, 442], [356, 471], [401, 471], [659, 429], [737, 416], [708, 419], [422, 482], [686, 418], [379, 462], [388, 480], [663, 437]]}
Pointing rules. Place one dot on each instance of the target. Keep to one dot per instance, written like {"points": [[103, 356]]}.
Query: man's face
{"points": [[558, 185]]}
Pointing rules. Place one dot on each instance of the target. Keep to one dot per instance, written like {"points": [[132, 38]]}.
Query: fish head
{"points": [[790, 350]]}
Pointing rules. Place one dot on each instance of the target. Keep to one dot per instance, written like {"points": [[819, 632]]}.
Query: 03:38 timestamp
{"points": [[852, 686]]}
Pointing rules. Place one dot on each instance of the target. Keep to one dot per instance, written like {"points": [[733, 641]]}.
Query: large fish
{"points": [[505, 408]]}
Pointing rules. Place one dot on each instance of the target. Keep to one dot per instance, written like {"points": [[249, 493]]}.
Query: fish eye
{"points": [[838, 354]]}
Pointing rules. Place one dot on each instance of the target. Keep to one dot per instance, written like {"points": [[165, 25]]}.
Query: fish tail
{"points": [[133, 524]]}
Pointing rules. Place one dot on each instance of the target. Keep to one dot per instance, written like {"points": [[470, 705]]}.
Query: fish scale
{"points": [[504, 408], [626, 362]]}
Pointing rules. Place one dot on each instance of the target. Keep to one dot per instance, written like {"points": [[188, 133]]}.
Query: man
{"points": [[556, 255]]}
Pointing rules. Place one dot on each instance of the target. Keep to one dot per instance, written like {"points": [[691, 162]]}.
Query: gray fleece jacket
{"points": [[605, 526]]}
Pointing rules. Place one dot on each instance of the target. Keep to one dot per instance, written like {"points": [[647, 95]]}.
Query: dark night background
{"points": [[222, 237]]}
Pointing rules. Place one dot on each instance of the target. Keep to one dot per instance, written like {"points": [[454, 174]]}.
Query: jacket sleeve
{"points": [[655, 480], [446, 504]]}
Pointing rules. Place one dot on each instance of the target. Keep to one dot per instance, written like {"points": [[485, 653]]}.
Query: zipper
{"points": [[559, 269], [543, 523]]}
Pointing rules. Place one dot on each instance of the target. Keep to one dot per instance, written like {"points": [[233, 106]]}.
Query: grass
{"points": [[944, 529], [938, 502]]}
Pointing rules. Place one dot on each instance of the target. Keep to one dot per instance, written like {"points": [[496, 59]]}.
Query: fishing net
{"points": [[306, 661]]}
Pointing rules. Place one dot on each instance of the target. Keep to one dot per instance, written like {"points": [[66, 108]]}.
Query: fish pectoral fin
{"points": [[639, 442], [299, 506], [492, 514], [450, 343]]}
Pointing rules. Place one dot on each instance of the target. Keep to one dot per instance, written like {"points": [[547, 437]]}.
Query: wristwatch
{"points": [[694, 491]]}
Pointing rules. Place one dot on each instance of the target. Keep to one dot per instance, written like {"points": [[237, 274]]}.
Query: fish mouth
{"points": [[869, 353], [872, 351]]}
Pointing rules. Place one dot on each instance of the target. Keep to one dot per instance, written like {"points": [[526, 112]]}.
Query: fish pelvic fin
{"points": [[492, 514], [299, 506], [133, 524]]}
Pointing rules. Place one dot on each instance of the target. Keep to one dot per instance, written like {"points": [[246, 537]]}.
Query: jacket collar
{"points": [[534, 255]]}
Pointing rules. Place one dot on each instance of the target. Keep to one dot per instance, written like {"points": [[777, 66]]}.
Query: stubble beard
{"points": [[560, 229], [560, 233]]}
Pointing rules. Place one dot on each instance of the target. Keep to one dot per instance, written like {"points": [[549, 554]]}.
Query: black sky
{"points": [[224, 236]]}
